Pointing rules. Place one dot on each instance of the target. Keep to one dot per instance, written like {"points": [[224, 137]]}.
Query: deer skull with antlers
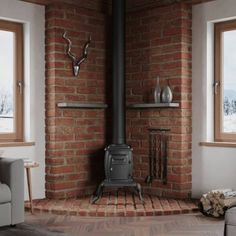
{"points": [[76, 61]]}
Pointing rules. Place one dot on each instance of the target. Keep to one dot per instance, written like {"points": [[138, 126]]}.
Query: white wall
{"points": [[32, 16], [213, 167]]}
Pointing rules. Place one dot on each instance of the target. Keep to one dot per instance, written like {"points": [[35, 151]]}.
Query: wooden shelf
{"points": [[81, 105], [154, 105]]}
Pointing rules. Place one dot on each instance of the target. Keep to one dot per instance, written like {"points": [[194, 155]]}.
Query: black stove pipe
{"points": [[118, 14], [118, 155]]}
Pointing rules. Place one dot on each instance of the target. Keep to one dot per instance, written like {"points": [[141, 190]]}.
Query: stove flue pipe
{"points": [[118, 14]]}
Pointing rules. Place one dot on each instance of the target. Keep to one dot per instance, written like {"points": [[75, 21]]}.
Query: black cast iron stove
{"points": [[118, 156]]}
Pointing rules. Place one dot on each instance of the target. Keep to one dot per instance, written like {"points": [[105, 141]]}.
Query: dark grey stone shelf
{"points": [[154, 105], [82, 105], [104, 106]]}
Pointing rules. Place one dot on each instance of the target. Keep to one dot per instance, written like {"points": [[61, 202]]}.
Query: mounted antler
{"points": [[76, 61]]}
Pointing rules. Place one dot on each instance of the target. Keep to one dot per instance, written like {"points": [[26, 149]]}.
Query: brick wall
{"points": [[135, 5], [75, 138], [159, 43]]}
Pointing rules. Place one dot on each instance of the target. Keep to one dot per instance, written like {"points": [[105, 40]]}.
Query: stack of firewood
{"points": [[216, 202]]}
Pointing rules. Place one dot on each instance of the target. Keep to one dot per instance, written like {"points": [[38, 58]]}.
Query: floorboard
{"points": [[182, 225]]}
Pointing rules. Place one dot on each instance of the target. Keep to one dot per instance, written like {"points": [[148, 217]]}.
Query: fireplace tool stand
{"points": [[158, 140]]}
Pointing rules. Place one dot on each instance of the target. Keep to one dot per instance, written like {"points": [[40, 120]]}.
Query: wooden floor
{"points": [[193, 224]]}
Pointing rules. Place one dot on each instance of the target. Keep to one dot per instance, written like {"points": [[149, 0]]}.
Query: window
{"points": [[225, 81], [11, 81]]}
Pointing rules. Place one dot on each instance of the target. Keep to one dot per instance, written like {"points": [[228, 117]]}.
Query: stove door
{"points": [[119, 168], [118, 164]]}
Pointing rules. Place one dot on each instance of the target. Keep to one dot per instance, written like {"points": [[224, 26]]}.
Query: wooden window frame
{"points": [[17, 29], [219, 135]]}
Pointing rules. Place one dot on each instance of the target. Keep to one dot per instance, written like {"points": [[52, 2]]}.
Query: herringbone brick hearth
{"points": [[119, 204]]}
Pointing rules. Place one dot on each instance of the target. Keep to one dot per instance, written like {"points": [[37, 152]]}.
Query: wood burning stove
{"points": [[118, 156]]}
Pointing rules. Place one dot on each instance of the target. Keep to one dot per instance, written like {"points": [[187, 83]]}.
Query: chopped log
{"points": [[216, 202]]}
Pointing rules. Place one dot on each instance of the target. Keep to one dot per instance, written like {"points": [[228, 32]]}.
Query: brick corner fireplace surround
{"points": [[158, 42]]}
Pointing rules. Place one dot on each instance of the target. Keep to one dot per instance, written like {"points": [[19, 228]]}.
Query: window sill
{"points": [[218, 144], [17, 144]]}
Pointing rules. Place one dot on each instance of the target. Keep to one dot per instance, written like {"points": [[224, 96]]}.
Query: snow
{"points": [[6, 125], [230, 123]]}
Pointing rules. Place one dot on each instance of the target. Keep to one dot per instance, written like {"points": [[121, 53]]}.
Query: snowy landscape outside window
{"points": [[6, 81], [11, 75], [225, 81]]}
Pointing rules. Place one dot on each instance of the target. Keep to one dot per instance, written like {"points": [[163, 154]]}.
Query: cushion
{"points": [[5, 193]]}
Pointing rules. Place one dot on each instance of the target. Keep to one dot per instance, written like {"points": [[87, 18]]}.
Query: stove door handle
{"points": [[118, 159]]}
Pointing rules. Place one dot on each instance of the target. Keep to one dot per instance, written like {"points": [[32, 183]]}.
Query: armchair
{"points": [[11, 191]]}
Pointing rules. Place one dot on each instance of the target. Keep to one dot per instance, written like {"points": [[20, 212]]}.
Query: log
{"points": [[216, 202]]}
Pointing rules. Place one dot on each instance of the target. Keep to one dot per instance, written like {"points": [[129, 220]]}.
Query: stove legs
{"points": [[139, 191], [98, 193]]}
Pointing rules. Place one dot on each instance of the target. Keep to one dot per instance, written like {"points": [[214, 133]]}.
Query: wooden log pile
{"points": [[216, 202]]}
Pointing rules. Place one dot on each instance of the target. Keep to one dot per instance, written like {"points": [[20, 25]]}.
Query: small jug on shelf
{"points": [[166, 95], [157, 91]]}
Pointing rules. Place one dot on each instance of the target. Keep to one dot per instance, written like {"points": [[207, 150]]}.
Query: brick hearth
{"points": [[118, 204]]}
